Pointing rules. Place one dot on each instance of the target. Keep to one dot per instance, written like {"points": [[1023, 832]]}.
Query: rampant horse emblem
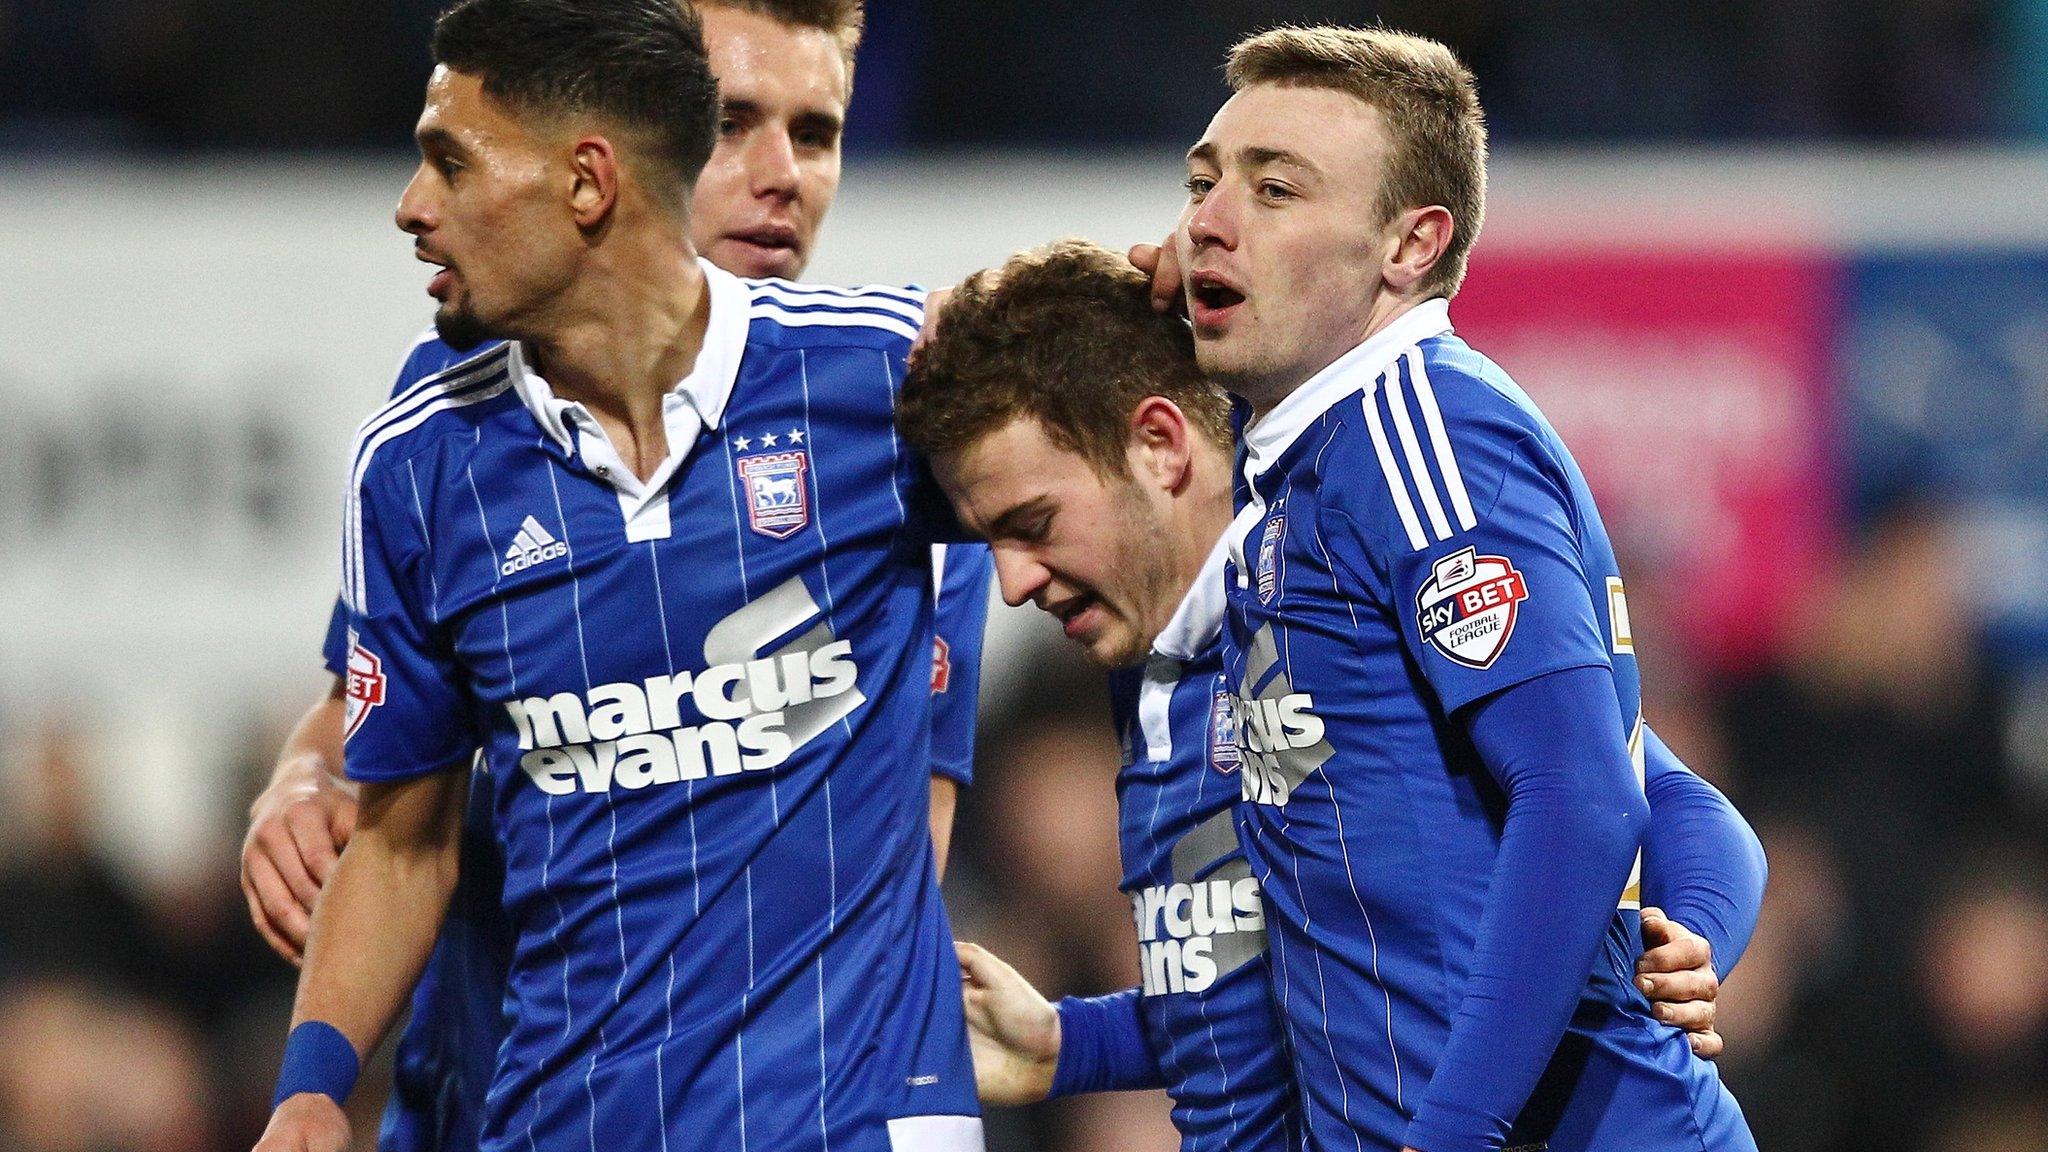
{"points": [[778, 497]]}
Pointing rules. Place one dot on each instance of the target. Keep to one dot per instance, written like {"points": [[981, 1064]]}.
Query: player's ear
{"points": [[1161, 446], [1417, 239], [594, 176]]}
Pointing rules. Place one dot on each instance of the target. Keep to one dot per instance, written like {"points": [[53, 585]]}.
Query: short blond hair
{"points": [[1430, 104]]}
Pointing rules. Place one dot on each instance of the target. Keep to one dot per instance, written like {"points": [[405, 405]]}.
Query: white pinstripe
{"points": [[512, 672], [739, 1034], [668, 995], [611, 838], [739, 548], [1343, 841], [803, 365], [1281, 665], [419, 511], [1202, 1004], [1152, 834]]}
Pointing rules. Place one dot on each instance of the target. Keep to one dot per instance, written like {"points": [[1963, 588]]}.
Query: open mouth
{"points": [[1210, 299], [444, 274], [1076, 616]]}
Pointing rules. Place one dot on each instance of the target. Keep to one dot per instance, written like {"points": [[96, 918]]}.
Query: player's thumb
{"points": [[341, 823]]}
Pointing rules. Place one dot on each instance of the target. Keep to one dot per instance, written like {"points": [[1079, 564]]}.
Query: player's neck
{"points": [[1206, 509], [1266, 395], [1201, 515], [625, 341]]}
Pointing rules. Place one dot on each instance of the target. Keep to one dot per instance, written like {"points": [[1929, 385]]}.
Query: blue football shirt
{"points": [[1412, 538], [445, 1056], [1205, 1006], [703, 704]]}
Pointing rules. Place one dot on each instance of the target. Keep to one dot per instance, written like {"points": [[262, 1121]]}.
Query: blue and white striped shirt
{"points": [[704, 706]]}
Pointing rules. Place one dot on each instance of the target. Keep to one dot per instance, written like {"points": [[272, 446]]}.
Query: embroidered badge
{"points": [[1467, 608], [1269, 558], [778, 496], [1223, 751]]}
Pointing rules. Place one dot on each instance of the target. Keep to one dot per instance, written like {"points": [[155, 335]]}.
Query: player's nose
{"points": [[771, 165], [1019, 575], [1214, 220], [413, 215]]}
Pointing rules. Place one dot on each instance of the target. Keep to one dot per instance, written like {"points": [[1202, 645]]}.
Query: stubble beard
{"points": [[460, 329]]}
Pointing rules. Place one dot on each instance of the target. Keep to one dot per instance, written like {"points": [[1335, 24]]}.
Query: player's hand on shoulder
{"points": [[1013, 1032], [308, 1122], [297, 829], [1676, 972]]}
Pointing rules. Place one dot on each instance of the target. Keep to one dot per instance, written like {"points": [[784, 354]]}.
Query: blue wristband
{"points": [[317, 1058], [1103, 1047]]}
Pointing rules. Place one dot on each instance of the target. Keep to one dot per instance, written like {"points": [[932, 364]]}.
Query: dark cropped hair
{"points": [[639, 64], [1065, 335]]}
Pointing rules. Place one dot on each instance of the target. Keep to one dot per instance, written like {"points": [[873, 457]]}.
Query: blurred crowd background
{"points": [[1777, 268]]}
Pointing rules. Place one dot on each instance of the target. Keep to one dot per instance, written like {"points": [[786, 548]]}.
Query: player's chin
{"points": [[1113, 646], [459, 328]]}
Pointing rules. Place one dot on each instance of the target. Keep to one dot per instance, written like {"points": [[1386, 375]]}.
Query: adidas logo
{"points": [[532, 546]]}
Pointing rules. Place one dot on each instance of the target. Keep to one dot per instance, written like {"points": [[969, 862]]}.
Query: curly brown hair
{"points": [[1066, 335]]}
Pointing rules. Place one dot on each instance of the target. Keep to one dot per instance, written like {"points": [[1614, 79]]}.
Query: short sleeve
{"points": [[962, 617], [427, 355], [1472, 527], [407, 712]]}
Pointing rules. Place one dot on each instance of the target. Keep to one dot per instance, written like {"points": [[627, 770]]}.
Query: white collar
{"points": [[706, 389], [1199, 619], [1270, 436]]}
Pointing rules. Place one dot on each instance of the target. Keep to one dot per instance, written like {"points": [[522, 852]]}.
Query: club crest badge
{"points": [[1223, 752], [778, 495], [1467, 608], [365, 688], [1269, 558]]}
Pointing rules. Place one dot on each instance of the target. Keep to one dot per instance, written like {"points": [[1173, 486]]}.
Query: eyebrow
{"points": [[1008, 524], [813, 119], [1256, 157], [439, 139], [1253, 156]]}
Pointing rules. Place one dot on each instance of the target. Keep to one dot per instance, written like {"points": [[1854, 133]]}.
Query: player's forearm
{"points": [[312, 754], [1702, 862], [1103, 1046], [378, 917], [1574, 823]]}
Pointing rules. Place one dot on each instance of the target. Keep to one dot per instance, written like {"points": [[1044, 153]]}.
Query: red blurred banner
{"points": [[1693, 389]]}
